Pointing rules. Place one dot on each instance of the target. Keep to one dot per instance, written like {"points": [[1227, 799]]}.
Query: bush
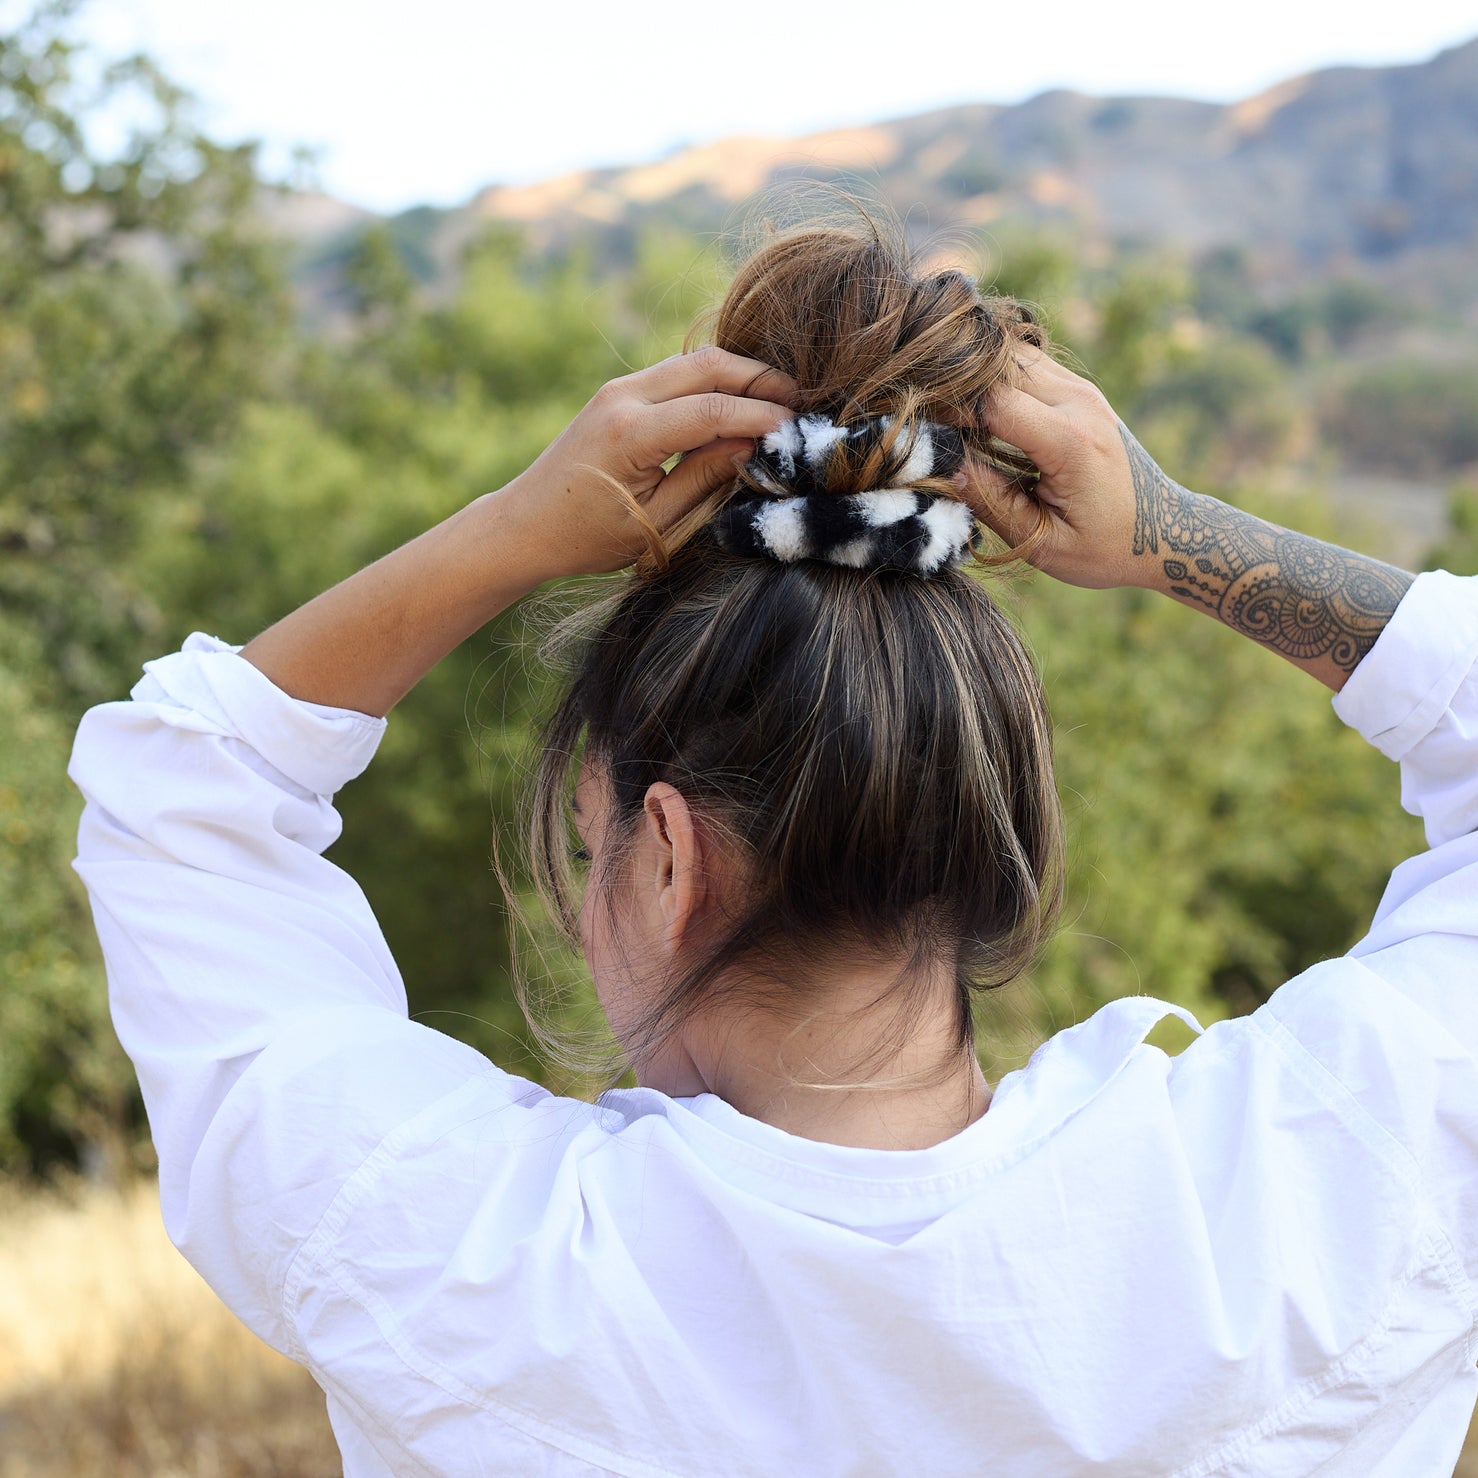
{"points": [[1413, 418]]}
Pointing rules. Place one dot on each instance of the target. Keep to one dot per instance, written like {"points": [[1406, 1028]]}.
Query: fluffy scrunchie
{"points": [[892, 528]]}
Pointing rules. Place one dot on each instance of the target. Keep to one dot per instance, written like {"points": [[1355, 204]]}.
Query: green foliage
{"points": [[1216, 402], [1210, 857], [1221, 285], [1331, 317], [62, 1078], [1458, 551], [1115, 116], [368, 446], [1131, 343], [138, 313], [377, 275], [177, 453], [1352, 308], [1408, 417], [1323, 319], [1218, 410], [1036, 270], [977, 171]]}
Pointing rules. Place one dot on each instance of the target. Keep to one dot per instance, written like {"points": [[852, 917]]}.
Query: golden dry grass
{"points": [[115, 1359]]}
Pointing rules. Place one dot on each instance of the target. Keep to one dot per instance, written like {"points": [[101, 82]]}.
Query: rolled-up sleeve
{"points": [[240, 960], [1394, 1024], [1415, 697]]}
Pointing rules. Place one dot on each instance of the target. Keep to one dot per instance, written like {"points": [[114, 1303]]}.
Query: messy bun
{"points": [[876, 745], [846, 314], [845, 310]]}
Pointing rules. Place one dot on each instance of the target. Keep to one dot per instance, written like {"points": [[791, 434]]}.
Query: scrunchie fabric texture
{"points": [[892, 528]]}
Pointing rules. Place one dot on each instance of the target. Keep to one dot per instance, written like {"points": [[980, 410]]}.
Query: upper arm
{"points": [[323, 1104], [1401, 1078], [1415, 697], [1393, 1027], [249, 981], [1423, 942]]}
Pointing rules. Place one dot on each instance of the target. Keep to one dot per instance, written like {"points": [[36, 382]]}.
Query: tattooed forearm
{"points": [[1304, 598]]}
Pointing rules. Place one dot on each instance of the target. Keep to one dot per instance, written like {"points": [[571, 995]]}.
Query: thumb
{"points": [[1000, 502], [700, 473]]}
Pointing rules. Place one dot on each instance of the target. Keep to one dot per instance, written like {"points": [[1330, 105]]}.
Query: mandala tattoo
{"points": [[1298, 595]]}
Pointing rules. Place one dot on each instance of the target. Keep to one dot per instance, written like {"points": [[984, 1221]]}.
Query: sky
{"points": [[426, 102]]}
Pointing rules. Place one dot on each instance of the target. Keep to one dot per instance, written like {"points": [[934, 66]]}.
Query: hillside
{"points": [[1371, 171]]}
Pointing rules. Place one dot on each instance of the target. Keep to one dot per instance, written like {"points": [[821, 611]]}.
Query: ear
{"points": [[670, 870]]}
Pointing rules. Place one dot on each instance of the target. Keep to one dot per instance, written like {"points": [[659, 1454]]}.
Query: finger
{"points": [[1020, 418], [1011, 513], [711, 369], [695, 477], [692, 421], [1046, 378], [980, 483], [991, 494]]}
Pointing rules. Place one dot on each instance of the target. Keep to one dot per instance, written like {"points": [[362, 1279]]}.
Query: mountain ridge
{"points": [[1370, 170]]}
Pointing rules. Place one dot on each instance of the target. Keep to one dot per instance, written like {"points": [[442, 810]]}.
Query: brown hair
{"points": [[876, 744]]}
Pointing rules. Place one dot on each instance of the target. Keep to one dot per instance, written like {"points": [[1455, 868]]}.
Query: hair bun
{"points": [[898, 526]]}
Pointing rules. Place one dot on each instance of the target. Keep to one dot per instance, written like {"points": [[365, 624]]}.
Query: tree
{"points": [[138, 312], [176, 451], [1408, 417]]}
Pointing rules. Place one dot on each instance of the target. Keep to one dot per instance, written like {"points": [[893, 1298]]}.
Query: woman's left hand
{"points": [[708, 406]]}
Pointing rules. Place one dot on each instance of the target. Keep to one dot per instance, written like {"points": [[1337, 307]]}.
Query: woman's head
{"points": [[866, 752]]}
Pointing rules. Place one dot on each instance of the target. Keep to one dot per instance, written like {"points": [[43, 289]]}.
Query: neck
{"points": [[858, 1068]]}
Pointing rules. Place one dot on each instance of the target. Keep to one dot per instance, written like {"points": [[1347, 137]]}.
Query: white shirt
{"points": [[1255, 1258]]}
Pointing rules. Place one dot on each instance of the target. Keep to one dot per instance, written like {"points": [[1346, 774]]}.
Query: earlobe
{"points": [[675, 867]]}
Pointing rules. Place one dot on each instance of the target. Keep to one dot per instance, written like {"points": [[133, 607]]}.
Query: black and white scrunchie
{"points": [[894, 528]]}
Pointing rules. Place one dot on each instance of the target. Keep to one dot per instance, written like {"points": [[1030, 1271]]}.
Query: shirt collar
{"points": [[1028, 1106]]}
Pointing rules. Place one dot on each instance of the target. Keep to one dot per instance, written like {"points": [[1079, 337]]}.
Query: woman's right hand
{"points": [[1114, 518], [1097, 484]]}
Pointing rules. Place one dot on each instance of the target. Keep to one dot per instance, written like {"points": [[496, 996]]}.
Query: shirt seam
{"points": [[528, 1423], [315, 1252], [368, 1420], [1434, 1250], [1429, 710], [1371, 1132], [1336, 1096], [1429, 1252], [337, 1212]]}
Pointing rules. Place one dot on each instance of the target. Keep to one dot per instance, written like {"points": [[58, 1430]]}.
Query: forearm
{"points": [[590, 503], [1320, 606], [364, 644]]}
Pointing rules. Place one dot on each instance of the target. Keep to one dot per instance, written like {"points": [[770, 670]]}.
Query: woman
{"points": [[811, 770]]}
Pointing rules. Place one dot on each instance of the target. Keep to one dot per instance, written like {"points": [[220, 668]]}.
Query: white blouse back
{"points": [[1256, 1257]]}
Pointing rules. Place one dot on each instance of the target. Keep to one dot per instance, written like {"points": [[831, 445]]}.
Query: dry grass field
{"points": [[116, 1360]]}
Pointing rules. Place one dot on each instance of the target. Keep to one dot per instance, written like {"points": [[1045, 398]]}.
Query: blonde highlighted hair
{"points": [[875, 744]]}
